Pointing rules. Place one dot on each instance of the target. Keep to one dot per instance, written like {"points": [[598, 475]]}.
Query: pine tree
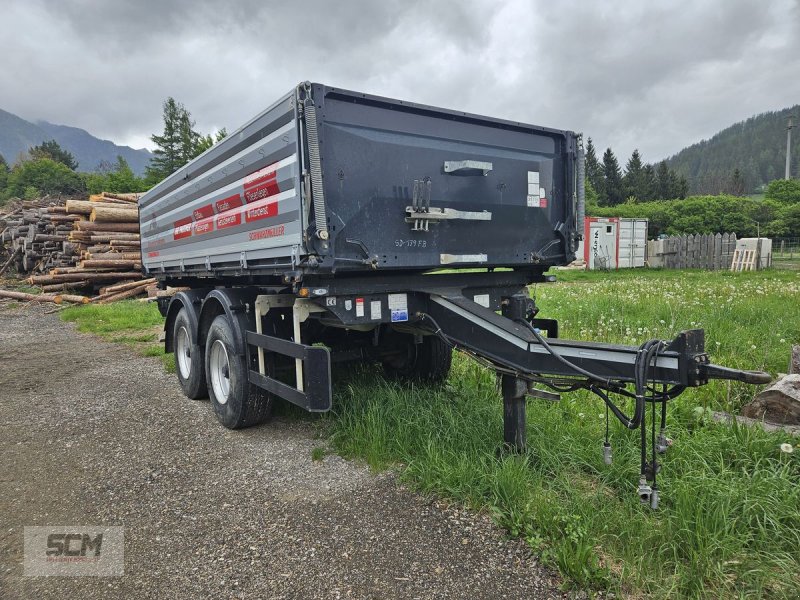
{"points": [[190, 139], [634, 180], [179, 143], [612, 180], [55, 152], [649, 186], [662, 189], [594, 172], [167, 157]]}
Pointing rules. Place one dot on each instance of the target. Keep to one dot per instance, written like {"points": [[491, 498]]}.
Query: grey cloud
{"points": [[657, 76]]}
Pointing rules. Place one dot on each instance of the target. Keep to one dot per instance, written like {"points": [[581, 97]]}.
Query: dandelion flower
{"points": [[787, 448], [581, 415], [783, 341], [752, 347]]}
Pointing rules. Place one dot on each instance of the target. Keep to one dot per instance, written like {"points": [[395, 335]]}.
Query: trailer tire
{"points": [[428, 362], [237, 403], [190, 362]]}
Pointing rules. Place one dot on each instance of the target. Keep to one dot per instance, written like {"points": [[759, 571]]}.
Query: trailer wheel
{"points": [[428, 361], [236, 402], [189, 360]]}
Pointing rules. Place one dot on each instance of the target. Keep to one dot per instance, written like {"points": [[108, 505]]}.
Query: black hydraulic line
{"points": [[608, 382]]}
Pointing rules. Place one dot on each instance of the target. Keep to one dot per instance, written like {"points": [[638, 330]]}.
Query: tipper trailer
{"points": [[341, 226]]}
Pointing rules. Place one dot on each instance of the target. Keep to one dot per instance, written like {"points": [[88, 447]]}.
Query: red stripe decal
{"points": [[182, 228], [203, 212], [260, 210], [228, 203]]}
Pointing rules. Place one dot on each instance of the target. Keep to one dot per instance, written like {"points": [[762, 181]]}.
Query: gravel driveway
{"points": [[91, 433]]}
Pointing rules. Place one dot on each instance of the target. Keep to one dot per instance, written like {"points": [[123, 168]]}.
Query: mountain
{"points": [[755, 147], [17, 135]]}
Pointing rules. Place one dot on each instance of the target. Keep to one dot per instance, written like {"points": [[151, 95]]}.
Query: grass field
{"points": [[729, 521]]}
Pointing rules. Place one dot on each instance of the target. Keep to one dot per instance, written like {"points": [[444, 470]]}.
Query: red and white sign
{"points": [[263, 209], [228, 203], [204, 226], [182, 228], [229, 220], [203, 212], [261, 184]]}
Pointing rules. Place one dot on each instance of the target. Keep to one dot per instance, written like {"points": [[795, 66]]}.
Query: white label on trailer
{"points": [[348, 305], [482, 299], [533, 201], [449, 259], [359, 307], [398, 307], [330, 301], [533, 177], [375, 310]]}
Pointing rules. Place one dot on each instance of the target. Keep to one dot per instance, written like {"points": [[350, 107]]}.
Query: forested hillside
{"points": [[18, 135], [742, 158]]}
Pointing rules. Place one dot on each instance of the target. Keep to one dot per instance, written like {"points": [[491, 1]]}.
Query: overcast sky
{"points": [[652, 75]]}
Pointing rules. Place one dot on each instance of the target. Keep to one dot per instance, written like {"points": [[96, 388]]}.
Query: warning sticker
{"points": [[375, 310], [359, 307], [398, 307], [482, 299]]}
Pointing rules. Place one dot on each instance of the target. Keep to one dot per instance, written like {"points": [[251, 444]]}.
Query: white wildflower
{"points": [[787, 448]]}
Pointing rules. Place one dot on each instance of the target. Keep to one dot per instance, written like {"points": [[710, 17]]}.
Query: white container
{"points": [[601, 246], [632, 243], [765, 259]]}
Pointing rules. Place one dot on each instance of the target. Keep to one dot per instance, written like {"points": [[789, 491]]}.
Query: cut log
{"points": [[134, 256], [122, 295], [82, 207], [171, 291], [118, 236], [65, 287], [111, 227], [29, 297], [110, 264], [72, 299], [115, 214], [121, 287], [779, 403], [82, 275], [131, 197]]}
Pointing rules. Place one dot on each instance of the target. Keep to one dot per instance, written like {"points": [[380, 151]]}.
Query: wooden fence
{"points": [[713, 252]]}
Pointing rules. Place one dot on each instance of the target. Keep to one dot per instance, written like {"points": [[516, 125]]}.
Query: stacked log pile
{"points": [[76, 248]]}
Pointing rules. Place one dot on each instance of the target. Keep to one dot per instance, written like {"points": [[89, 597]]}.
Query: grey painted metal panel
{"points": [[239, 201]]}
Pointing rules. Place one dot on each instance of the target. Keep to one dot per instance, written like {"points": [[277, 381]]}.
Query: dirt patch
{"points": [[91, 433]]}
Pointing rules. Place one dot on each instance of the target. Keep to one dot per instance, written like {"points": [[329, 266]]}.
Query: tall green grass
{"points": [[729, 521]]}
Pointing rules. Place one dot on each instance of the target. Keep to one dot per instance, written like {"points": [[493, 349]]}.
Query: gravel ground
{"points": [[91, 433]]}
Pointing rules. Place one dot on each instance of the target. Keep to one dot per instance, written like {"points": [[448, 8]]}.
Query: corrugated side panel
{"points": [[236, 204]]}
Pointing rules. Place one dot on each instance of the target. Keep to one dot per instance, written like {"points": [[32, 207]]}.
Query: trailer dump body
{"points": [[328, 180], [338, 226]]}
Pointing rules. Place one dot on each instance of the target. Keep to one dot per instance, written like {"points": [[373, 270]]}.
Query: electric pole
{"points": [[789, 149]]}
